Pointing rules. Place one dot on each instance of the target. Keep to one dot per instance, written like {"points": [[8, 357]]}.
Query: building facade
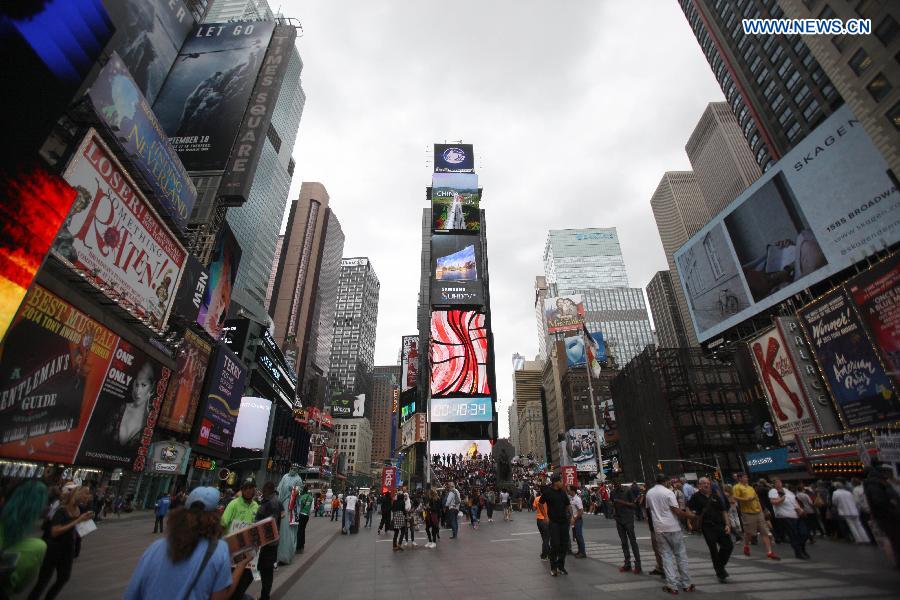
{"points": [[531, 431], [352, 356], [774, 85], [575, 259], [621, 315], [540, 293], [354, 441], [670, 327], [223, 11], [385, 437]]}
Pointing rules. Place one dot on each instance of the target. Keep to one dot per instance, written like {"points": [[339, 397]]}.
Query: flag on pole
{"points": [[595, 353]]}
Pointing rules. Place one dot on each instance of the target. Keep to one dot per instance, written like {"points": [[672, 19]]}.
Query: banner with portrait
{"points": [[183, 394], [876, 293]]}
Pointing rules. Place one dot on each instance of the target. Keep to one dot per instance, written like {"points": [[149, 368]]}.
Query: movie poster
{"points": [[876, 293], [409, 363], [223, 268], [116, 240], [862, 390], [121, 426], [222, 402], [183, 394], [52, 364], [564, 313]]}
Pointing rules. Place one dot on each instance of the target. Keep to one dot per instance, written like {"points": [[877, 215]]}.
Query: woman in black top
{"points": [[60, 538], [271, 506], [398, 519]]}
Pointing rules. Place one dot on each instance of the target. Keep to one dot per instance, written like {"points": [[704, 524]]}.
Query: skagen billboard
{"points": [[824, 206]]}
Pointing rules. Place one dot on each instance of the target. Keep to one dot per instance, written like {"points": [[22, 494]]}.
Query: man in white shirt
{"points": [[349, 510], [664, 511], [507, 508], [788, 513], [576, 506], [843, 502]]}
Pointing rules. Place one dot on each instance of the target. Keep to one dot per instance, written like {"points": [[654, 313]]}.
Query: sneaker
{"points": [[636, 570], [772, 556], [413, 543], [669, 590], [554, 572], [657, 572], [624, 569], [580, 555], [690, 588], [563, 571], [746, 550], [722, 579], [396, 548]]}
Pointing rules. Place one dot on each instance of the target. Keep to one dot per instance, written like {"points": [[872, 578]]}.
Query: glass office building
{"points": [[583, 258]]}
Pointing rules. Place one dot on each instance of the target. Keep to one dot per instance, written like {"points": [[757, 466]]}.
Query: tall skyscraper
{"points": [[223, 11], [385, 381], [583, 258], [354, 440], [773, 84], [275, 262], [863, 68], [670, 328], [304, 290], [540, 293], [680, 211], [355, 320], [720, 157]]}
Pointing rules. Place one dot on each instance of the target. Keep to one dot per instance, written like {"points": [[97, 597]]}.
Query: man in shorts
{"points": [[752, 516]]}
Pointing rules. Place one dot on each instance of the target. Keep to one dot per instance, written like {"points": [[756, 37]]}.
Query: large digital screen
{"points": [[455, 263], [461, 410], [222, 392], [409, 362], [459, 353], [454, 158], [824, 206], [454, 202], [468, 448], [223, 268], [564, 313]]}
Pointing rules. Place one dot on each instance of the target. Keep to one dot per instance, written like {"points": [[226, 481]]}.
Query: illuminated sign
{"points": [[456, 410]]}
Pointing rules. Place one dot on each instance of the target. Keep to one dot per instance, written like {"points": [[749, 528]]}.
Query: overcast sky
{"points": [[575, 109]]}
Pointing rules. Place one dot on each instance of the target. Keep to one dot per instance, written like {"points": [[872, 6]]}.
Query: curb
{"points": [[281, 587]]}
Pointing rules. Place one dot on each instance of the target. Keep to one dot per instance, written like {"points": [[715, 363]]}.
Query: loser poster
{"points": [[114, 237], [863, 392], [121, 426], [876, 293], [52, 366]]}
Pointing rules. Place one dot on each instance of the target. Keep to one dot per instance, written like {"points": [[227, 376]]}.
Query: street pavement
{"points": [[499, 561]]}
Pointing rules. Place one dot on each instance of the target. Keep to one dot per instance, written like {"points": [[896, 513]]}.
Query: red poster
{"points": [[876, 293], [388, 479], [569, 476]]}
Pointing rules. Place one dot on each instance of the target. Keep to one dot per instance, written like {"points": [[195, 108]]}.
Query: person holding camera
{"points": [[789, 514]]}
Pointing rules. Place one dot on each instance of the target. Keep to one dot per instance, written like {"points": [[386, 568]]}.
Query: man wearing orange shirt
{"points": [[542, 525]]}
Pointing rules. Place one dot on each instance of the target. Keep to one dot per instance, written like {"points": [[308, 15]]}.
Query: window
{"points": [[809, 4], [784, 67], [779, 50], [893, 116], [811, 110], [865, 8], [768, 91], [712, 255], [777, 102], [793, 131], [761, 155], [801, 95], [784, 116], [887, 30], [762, 76], [839, 42], [793, 80], [755, 64], [860, 61], [879, 87]]}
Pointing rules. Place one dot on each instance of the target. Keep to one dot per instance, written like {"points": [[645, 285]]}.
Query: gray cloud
{"points": [[575, 108]]}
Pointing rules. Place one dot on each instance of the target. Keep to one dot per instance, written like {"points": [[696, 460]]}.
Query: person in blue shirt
{"points": [[160, 510], [191, 562]]}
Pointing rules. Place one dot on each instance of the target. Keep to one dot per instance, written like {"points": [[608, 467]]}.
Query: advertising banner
{"points": [[388, 479], [767, 461], [190, 292], [455, 263], [148, 36], [569, 476], [409, 362], [468, 448], [116, 240], [876, 293], [576, 353], [564, 313], [52, 364], [459, 353], [787, 400], [202, 104], [863, 392], [119, 103], [342, 405], [421, 427], [168, 458], [454, 202], [183, 394], [223, 268], [461, 410], [35, 203], [407, 405], [408, 433], [252, 423], [127, 408], [581, 446], [825, 205], [234, 188], [454, 158], [222, 402]]}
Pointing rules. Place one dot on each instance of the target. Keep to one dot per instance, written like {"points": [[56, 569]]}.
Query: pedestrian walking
{"points": [[192, 561], [271, 506], [61, 537], [350, 501], [159, 510], [865, 515], [452, 504], [432, 518], [752, 515], [335, 507], [644, 508], [844, 504], [789, 514], [576, 507], [18, 536], [884, 503], [398, 520], [412, 521], [624, 504], [490, 498], [506, 501], [556, 500], [302, 506], [810, 517], [386, 502], [240, 514], [543, 525], [714, 524], [370, 510], [734, 516], [665, 514]]}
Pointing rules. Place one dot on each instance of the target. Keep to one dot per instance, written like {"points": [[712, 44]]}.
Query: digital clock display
{"points": [[456, 410]]}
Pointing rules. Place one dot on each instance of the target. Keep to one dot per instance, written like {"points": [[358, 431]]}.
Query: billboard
{"points": [[414, 431], [409, 362], [189, 296], [564, 313], [581, 447], [876, 293], [121, 106], [461, 410], [767, 461], [569, 476], [222, 402], [223, 268], [861, 388], [252, 423], [459, 353], [115, 239], [824, 206], [468, 448], [240, 169], [776, 370], [450, 158], [168, 457], [52, 364], [183, 394], [454, 202], [388, 479], [455, 261], [33, 204], [345, 405], [148, 36], [201, 105], [577, 355]]}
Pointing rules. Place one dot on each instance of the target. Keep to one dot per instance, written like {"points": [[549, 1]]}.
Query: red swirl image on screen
{"points": [[459, 353]]}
